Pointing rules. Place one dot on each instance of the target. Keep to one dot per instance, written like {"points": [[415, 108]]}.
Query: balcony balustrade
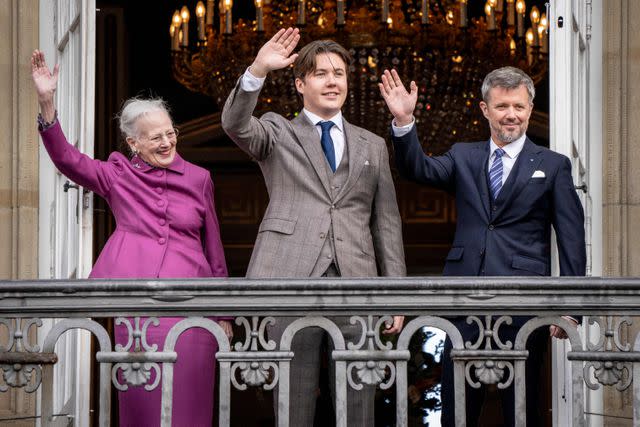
{"points": [[608, 305]]}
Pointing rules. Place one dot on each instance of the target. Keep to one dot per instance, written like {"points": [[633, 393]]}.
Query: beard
{"points": [[506, 136]]}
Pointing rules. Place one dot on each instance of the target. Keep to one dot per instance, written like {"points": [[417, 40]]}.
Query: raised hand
{"points": [[44, 80], [400, 102], [276, 53]]}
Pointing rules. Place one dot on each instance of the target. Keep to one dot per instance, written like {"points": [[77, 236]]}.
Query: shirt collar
{"points": [[512, 149], [314, 118], [176, 166]]}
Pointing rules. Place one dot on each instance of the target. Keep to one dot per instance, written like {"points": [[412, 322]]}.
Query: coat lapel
{"points": [[482, 150], [357, 150], [309, 140], [528, 161]]}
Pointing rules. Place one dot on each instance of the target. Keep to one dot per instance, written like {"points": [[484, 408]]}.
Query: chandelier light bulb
{"points": [[535, 15], [529, 36], [544, 22], [184, 13], [521, 6], [177, 20], [200, 9]]}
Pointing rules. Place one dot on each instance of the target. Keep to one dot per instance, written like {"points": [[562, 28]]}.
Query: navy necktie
{"points": [[495, 173], [327, 143]]}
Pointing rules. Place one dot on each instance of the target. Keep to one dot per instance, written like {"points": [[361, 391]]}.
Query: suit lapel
{"points": [[528, 161], [309, 140], [356, 150], [482, 150]]}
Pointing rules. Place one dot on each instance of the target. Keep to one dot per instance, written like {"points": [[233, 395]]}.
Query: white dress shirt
{"points": [[511, 150], [511, 153], [251, 83]]}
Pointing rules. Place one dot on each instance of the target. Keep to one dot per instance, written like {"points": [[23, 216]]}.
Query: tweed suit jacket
{"points": [[367, 228]]}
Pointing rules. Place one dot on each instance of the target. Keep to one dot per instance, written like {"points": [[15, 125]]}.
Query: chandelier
{"points": [[438, 43]]}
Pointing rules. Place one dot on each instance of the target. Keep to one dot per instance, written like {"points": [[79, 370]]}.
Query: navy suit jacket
{"points": [[510, 236]]}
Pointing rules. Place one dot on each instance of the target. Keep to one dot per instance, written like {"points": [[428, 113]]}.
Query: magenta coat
{"points": [[166, 221], [166, 228]]}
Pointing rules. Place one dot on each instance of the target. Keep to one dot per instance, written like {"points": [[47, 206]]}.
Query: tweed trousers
{"points": [[305, 372]]}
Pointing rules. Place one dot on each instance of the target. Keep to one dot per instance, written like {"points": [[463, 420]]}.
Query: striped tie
{"points": [[495, 173]]}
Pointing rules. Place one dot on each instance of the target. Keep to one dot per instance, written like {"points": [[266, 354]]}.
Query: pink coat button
{"points": [[162, 221], [159, 190], [162, 240], [160, 203]]}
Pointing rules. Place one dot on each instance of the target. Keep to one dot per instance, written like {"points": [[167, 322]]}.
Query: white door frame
{"points": [[64, 238], [575, 75]]}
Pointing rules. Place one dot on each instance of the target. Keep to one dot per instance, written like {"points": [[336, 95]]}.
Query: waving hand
{"points": [[45, 82], [276, 53], [400, 102]]}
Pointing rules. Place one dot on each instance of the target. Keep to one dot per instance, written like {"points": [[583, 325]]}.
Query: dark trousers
{"points": [[536, 345]]}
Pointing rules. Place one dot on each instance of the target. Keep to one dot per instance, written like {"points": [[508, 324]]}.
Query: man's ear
{"points": [[299, 86], [483, 107]]}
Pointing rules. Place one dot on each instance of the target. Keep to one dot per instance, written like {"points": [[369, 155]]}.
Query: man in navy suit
{"points": [[509, 193]]}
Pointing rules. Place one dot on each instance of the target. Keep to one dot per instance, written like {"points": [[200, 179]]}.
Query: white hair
{"points": [[133, 109]]}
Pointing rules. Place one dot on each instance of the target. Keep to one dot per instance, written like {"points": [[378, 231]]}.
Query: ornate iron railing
{"points": [[260, 362]]}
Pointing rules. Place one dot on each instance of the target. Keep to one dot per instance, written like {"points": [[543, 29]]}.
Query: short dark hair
{"points": [[305, 63]]}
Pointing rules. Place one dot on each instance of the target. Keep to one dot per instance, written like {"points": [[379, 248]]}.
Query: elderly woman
{"points": [[166, 228]]}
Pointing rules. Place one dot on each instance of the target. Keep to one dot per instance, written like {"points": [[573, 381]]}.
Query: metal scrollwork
{"points": [[487, 333], [490, 372], [256, 372], [255, 334], [136, 373], [609, 372], [372, 371], [17, 374]]}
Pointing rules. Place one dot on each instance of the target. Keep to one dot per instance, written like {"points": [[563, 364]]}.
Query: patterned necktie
{"points": [[495, 173], [327, 143]]}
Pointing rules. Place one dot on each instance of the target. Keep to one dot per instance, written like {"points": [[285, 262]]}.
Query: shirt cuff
{"points": [[251, 83], [44, 125], [399, 131]]}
